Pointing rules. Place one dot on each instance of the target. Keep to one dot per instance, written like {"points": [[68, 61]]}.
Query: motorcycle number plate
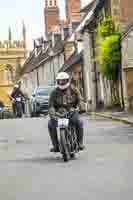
{"points": [[18, 99], [63, 123]]}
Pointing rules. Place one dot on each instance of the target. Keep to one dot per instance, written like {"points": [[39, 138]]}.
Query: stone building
{"points": [[12, 54], [98, 88], [43, 64], [127, 67]]}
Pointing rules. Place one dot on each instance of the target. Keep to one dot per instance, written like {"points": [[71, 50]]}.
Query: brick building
{"points": [[51, 16], [73, 10], [126, 13]]}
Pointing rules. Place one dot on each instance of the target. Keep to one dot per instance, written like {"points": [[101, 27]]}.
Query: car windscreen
{"points": [[43, 92]]}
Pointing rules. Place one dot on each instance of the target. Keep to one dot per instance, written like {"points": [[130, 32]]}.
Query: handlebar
{"points": [[63, 115], [13, 99]]}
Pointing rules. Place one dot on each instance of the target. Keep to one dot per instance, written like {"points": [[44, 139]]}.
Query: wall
{"points": [[51, 19], [127, 65], [126, 14], [73, 10]]}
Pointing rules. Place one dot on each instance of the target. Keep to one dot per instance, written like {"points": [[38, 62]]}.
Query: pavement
{"points": [[28, 171], [124, 117]]}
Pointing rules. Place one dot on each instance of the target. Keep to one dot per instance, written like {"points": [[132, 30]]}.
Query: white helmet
{"points": [[63, 80], [16, 86]]}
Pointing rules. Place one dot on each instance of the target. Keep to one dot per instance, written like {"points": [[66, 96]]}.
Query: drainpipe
{"points": [[94, 71], [54, 70], [83, 82], [37, 78], [121, 81]]}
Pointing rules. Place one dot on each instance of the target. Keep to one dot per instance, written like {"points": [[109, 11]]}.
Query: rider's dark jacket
{"points": [[66, 99], [16, 93]]}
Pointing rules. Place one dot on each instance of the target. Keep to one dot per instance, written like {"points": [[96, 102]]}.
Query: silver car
{"points": [[39, 100]]}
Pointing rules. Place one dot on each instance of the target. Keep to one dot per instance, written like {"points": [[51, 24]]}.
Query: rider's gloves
{"points": [[72, 109]]}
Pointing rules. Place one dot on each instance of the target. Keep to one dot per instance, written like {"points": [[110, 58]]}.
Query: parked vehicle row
{"points": [[37, 103]]}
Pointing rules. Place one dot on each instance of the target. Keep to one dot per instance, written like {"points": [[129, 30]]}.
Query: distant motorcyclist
{"points": [[16, 93], [68, 98]]}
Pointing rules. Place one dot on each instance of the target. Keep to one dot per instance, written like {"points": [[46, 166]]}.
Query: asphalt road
{"points": [[28, 171]]}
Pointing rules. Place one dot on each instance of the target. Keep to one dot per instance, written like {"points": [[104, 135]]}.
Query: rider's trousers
{"points": [[76, 122]]}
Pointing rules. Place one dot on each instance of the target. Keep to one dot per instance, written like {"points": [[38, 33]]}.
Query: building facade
{"points": [[12, 54], [51, 16], [73, 10], [41, 68], [127, 68]]}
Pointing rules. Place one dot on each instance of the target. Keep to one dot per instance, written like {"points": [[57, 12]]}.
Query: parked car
{"points": [[39, 100], [2, 110]]}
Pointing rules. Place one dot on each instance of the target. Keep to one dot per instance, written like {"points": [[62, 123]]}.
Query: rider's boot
{"points": [[54, 139], [80, 138]]}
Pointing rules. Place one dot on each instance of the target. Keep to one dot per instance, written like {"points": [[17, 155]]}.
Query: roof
{"points": [[82, 23], [128, 30], [88, 6], [34, 62], [97, 4], [58, 47], [74, 59]]}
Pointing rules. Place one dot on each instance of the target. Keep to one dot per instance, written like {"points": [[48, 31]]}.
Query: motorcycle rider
{"points": [[68, 98], [15, 93]]}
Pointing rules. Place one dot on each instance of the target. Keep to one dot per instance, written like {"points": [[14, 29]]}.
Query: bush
{"points": [[109, 57]]}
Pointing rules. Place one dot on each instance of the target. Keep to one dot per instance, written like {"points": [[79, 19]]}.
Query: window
{"points": [[50, 3], [8, 75]]}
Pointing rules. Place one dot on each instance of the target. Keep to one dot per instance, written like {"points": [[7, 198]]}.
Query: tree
{"points": [[109, 55]]}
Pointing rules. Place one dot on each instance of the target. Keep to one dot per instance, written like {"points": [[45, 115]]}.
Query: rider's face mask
{"points": [[63, 82]]}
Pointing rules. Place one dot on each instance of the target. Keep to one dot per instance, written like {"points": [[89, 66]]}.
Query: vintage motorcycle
{"points": [[18, 105], [67, 136]]}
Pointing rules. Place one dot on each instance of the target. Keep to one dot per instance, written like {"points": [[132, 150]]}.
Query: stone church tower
{"points": [[51, 15]]}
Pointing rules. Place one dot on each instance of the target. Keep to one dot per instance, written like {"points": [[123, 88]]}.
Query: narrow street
{"points": [[29, 171]]}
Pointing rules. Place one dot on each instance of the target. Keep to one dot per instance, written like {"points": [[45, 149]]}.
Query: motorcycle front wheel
{"points": [[64, 145]]}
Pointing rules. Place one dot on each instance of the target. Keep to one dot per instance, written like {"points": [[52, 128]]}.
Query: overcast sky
{"points": [[13, 12]]}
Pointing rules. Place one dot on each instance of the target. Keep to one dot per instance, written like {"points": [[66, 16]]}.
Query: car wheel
{"points": [[32, 114], [37, 115]]}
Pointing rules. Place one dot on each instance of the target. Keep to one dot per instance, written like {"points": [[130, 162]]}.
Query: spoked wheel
{"points": [[64, 146], [74, 145]]}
